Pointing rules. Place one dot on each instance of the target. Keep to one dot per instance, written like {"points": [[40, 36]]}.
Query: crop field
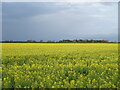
{"points": [[60, 65]]}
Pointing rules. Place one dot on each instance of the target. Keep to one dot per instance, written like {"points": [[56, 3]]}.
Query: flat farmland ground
{"points": [[60, 65]]}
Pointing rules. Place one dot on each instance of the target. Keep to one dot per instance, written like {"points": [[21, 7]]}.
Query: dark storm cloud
{"points": [[25, 9], [55, 21]]}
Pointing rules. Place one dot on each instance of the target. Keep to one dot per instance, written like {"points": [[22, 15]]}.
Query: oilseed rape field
{"points": [[60, 65]]}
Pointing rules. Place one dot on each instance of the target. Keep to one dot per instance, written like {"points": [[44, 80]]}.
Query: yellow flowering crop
{"points": [[55, 65]]}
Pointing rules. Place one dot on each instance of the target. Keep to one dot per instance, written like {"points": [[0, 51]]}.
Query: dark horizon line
{"points": [[60, 41], [54, 40]]}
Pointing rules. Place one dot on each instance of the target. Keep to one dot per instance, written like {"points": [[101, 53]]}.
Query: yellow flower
{"points": [[53, 87], [72, 81]]}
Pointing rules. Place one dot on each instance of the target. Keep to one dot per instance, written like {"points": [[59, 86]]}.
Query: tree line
{"points": [[60, 41]]}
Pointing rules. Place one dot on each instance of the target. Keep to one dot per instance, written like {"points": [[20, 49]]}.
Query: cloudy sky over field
{"points": [[60, 20]]}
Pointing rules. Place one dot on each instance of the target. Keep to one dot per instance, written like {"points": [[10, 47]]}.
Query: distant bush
{"points": [[60, 41]]}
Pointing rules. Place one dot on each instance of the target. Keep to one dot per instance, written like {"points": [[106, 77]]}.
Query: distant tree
{"points": [[41, 40], [31, 41], [61, 41]]}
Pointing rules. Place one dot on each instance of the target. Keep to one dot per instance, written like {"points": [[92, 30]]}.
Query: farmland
{"points": [[56, 65]]}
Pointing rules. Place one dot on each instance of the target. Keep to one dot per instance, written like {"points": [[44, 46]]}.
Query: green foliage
{"points": [[34, 65]]}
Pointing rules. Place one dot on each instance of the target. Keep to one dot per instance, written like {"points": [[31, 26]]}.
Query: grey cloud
{"points": [[59, 21], [25, 9]]}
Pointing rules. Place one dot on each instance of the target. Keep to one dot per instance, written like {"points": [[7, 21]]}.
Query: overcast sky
{"points": [[60, 20]]}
